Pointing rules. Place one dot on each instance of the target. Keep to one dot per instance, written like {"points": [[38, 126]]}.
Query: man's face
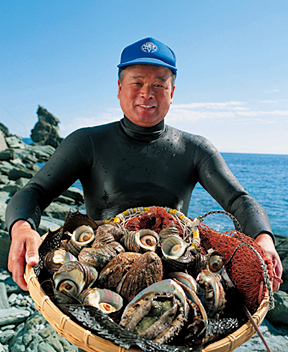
{"points": [[146, 94]]}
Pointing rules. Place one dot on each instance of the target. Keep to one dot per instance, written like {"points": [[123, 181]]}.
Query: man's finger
{"points": [[32, 245]]}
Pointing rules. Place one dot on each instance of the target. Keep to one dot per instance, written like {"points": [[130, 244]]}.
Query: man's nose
{"points": [[147, 91]]}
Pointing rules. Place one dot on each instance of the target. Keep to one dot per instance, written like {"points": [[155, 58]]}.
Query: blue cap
{"points": [[148, 51]]}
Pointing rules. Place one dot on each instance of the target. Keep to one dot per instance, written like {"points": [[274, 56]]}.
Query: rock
{"points": [[275, 338], [38, 335], [279, 315], [3, 144], [57, 210], [22, 181], [4, 304], [42, 152], [3, 179], [15, 142], [11, 188], [48, 223], [8, 153], [45, 132], [6, 335], [13, 315], [74, 193], [284, 285], [18, 172], [5, 167], [4, 130]]}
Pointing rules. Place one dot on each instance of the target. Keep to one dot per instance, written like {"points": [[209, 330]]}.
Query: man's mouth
{"points": [[147, 106]]}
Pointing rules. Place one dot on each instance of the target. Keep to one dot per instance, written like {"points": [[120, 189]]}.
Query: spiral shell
{"points": [[97, 256], [141, 241], [110, 229], [54, 259], [173, 247], [74, 277], [108, 301], [82, 236]]}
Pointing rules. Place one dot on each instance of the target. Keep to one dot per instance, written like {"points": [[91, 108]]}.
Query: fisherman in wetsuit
{"points": [[138, 161]]}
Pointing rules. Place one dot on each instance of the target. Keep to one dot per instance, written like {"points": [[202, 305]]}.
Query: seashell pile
{"points": [[163, 286]]}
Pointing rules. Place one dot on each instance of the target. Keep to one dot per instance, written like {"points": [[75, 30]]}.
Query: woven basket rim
{"points": [[90, 342], [86, 340]]}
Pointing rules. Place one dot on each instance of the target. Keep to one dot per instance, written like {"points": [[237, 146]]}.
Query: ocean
{"points": [[264, 176]]}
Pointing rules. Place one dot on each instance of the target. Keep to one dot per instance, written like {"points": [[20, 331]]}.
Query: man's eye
{"points": [[158, 85]]}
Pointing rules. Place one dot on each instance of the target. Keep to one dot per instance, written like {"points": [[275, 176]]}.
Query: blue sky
{"points": [[231, 57]]}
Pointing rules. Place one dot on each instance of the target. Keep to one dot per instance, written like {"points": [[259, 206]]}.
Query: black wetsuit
{"points": [[121, 165]]}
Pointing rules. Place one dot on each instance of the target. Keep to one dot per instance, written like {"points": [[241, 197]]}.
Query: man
{"points": [[138, 161]]}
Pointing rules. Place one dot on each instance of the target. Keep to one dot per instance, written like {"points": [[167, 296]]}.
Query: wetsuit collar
{"points": [[145, 134]]}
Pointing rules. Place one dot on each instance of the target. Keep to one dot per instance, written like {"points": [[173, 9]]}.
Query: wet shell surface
{"points": [[112, 274], [74, 277], [98, 256], [184, 308], [106, 300], [167, 285], [143, 272], [81, 237], [168, 231], [173, 247], [141, 241], [54, 259], [158, 312], [113, 229], [214, 297], [185, 278]]}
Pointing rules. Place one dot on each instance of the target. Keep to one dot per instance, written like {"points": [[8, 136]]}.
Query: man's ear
{"points": [[172, 93], [119, 89]]}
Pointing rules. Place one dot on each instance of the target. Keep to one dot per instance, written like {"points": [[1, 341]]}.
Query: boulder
{"points": [[3, 144], [45, 131], [279, 315], [7, 154]]}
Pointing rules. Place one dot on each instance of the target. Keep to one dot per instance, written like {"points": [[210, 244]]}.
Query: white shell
{"points": [[106, 300], [173, 247], [185, 278], [139, 235], [75, 276], [80, 231]]}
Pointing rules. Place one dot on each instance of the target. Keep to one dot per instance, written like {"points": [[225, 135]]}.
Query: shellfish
{"points": [[108, 301], [112, 274], [213, 298], [141, 241], [97, 256], [82, 236], [54, 259], [158, 312], [74, 277], [143, 272], [110, 229]]}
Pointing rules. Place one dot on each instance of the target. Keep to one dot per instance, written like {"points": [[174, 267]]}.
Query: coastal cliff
{"points": [[19, 319]]}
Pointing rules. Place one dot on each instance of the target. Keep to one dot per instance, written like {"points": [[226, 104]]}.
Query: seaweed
{"points": [[100, 324]]}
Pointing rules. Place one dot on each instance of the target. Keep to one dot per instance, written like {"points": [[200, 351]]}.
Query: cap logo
{"points": [[149, 47]]}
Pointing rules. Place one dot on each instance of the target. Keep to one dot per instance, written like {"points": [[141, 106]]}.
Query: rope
{"points": [[232, 217]]}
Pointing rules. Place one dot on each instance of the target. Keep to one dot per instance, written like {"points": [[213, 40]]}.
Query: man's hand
{"points": [[23, 249], [266, 242]]}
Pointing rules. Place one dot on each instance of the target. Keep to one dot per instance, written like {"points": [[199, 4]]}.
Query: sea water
{"points": [[264, 176]]}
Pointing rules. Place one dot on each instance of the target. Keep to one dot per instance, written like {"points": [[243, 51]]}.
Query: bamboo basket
{"points": [[84, 339]]}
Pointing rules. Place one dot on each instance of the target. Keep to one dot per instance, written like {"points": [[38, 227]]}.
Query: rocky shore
{"points": [[22, 328]]}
